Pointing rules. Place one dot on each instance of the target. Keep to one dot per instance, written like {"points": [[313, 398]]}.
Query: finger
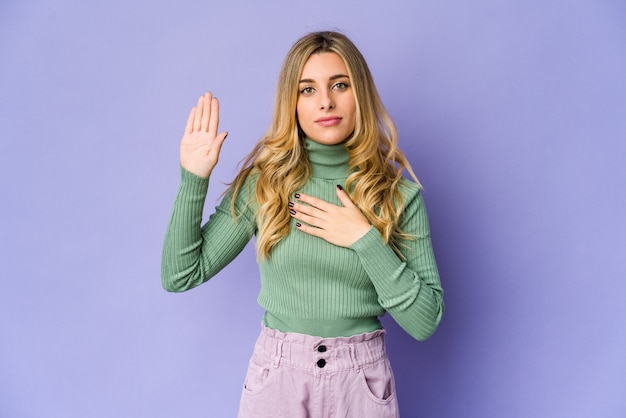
{"points": [[190, 119], [206, 114], [308, 213], [304, 217], [215, 116], [313, 201], [216, 147], [197, 121], [344, 198], [316, 232]]}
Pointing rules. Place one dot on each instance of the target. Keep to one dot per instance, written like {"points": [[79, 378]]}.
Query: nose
{"points": [[326, 101]]}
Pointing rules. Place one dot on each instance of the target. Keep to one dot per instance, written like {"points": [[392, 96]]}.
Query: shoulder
{"points": [[250, 180], [409, 190], [240, 196], [243, 186], [412, 206]]}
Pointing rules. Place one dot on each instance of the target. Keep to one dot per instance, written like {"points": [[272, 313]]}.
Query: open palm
{"points": [[201, 144]]}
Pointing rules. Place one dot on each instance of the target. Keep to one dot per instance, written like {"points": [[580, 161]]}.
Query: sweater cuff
{"points": [[385, 269], [377, 257], [192, 182]]}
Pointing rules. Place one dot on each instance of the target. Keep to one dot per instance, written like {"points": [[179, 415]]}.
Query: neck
{"points": [[327, 161]]}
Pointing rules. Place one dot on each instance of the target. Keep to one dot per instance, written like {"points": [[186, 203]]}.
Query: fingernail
{"points": [[297, 195], [339, 187], [226, 136], [298, 224], [290, 204], [293, 212]]}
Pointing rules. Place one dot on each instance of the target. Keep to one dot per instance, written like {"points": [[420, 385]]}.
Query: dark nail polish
{"points": [[339, 187], [297, 195], [293, 212], [298, 224], [290, 204]]}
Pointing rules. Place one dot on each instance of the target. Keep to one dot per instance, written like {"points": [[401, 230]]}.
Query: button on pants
{"points": [[296, 376]]}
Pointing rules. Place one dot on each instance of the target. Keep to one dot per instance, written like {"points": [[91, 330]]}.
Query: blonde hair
{"points": [[280, 162]]}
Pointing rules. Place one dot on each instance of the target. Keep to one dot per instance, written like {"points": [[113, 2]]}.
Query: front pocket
{"points": [[257, 378], [379, 382]]}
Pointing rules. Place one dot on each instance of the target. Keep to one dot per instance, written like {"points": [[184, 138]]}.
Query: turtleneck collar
{"points": [[327, 161]]}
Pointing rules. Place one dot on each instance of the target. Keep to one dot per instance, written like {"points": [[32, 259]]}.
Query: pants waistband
{"points": [[319, 354]]}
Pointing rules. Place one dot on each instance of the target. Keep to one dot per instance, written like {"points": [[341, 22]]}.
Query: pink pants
{"points": [[295, 375]]}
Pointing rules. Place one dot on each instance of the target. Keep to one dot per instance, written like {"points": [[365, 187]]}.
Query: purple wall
{"points": [[512, 113]]}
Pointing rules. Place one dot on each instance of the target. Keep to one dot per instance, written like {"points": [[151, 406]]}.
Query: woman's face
{"points": [[326, 107]]}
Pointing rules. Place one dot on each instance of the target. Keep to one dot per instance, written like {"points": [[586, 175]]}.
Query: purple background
{"points": [[513, 115]]}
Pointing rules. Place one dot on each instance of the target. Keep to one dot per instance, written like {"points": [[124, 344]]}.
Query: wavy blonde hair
{"points": [[280, 161]]}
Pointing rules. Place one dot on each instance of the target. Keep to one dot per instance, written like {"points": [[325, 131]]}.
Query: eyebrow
{"points": [[332, 78]]}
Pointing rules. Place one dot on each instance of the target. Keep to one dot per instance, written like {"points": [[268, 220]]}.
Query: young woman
{"points": [[341, 237]]}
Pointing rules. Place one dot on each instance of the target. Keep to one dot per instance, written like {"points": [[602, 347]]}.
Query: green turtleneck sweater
{"points": [[308, 285]]}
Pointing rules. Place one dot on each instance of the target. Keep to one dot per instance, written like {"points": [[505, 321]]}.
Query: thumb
{"points": [[218, 141], [343, 197]]}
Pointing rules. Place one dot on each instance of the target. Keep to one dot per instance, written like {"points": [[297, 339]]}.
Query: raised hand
{"points": [[201, 144], [339, 225]]}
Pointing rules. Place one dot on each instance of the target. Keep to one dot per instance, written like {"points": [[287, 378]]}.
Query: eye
{"points": [[340, 86], [307, 90]]}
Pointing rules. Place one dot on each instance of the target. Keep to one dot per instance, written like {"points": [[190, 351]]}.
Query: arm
{"points": [[191, 254], [409, 290]]}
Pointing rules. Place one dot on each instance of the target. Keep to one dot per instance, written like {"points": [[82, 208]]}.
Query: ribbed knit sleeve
{"points": [[409, 290], [193, 253]]}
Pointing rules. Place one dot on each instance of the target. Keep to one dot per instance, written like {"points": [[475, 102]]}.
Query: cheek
{"points": [[299, 111], [353, 114], [350, 105], [302, 115]]}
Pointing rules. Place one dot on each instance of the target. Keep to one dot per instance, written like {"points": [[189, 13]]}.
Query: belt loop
{"points": [[278, 352], [354, 358]]}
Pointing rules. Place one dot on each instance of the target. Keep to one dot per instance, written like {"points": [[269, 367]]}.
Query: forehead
{"points": [[324, 65]]}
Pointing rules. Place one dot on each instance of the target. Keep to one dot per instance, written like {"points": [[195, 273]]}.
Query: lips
{"points": [[328, 121]]}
